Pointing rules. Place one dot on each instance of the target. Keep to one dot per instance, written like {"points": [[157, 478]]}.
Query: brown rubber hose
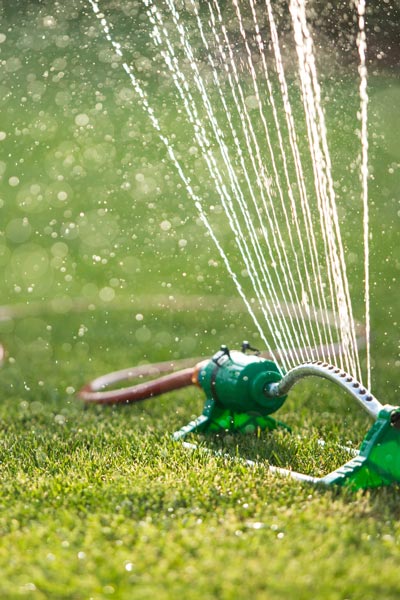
{"points": [[92, 394]]}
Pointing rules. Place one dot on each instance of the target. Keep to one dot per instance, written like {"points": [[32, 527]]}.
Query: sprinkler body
{"points": [[235, 385], [239, 381]]}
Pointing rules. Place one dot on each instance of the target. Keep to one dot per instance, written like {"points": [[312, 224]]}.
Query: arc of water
{"points": [[217, 133], [300, 176], [263, 183], [310, 122], [198, 204], [191, 59], [228, 45], [226, 201], [292, 223], [319, 171], [323, 179], [291, 129], [362, 69], [324, 182], [232, 130], [346, 310]]}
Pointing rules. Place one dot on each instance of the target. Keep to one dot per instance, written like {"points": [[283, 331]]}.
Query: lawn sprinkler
{"points": [[242, 391]]}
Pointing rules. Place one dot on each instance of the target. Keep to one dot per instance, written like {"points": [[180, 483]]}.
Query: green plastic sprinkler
{"points": [[236, 386], [243, 390]]}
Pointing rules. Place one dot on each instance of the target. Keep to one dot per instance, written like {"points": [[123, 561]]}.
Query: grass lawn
{"points": [[105, 266], [101, 503]]}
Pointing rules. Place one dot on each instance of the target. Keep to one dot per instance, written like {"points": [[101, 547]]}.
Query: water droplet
{"points": [[49, 21], [18, 230], [13, 64], [255, 525], [62, 196], [165, 225], [143, 335], [59, 63], [251, 102], [108, 589], [62, 98], [28, 587], [60, 419], [82, 120], [107, 294], [13, 181]]}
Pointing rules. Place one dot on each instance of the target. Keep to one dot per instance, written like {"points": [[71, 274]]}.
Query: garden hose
{"points": [[93, 392]]}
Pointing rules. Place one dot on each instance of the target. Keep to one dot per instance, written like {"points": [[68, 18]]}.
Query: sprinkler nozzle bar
{"points": [[332, 373]]}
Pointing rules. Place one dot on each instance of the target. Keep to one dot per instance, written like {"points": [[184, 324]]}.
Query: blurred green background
{"points": [[96, 227]]}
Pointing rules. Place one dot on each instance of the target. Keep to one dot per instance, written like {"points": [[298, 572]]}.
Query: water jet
{"points": [[243, 390]]}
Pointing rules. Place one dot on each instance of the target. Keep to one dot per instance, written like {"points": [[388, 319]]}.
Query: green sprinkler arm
{"points": [[378, 460]]}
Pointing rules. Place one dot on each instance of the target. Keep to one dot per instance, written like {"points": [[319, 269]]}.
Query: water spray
{"points": [[242, 392]]}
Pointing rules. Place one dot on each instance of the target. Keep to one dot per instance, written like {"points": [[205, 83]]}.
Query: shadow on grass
{"points": [[307, 454]]}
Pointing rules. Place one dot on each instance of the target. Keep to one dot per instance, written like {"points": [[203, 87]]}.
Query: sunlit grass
{"points": [[104, 266], [101, 502]]}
